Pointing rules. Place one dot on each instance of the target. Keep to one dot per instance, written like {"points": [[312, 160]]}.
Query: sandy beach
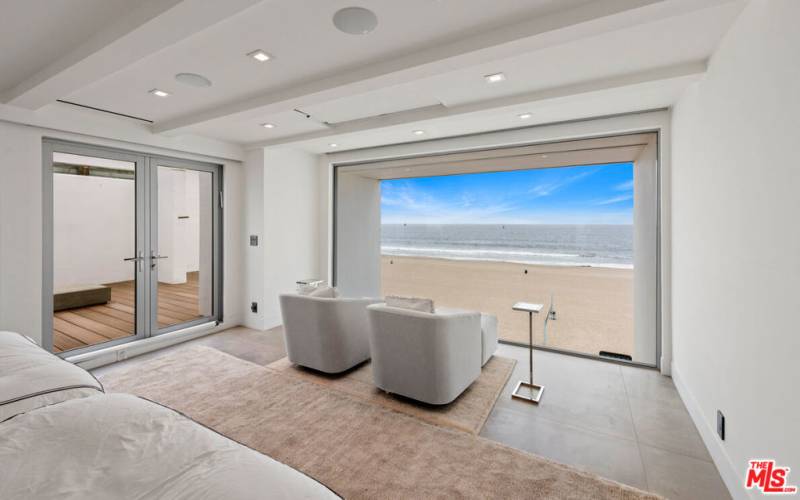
{"points": [[594, 305]]}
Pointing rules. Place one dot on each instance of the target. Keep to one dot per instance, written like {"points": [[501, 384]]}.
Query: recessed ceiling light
{"points": [[543, 156], [355, 20], [333, 145], [260, 55], [193, 80], [495, 78], [268, 125], [525, 116], [159, 93], [419, 132]]}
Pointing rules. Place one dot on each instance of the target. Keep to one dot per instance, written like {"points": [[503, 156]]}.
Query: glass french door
{"points": [[132, 246], [183, 242]]}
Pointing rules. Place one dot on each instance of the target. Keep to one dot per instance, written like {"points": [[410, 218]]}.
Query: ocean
{"points": [[559, 245]]}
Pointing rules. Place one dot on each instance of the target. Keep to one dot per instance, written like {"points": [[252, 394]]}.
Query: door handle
{"points": [[154, 257], [138, 259]]}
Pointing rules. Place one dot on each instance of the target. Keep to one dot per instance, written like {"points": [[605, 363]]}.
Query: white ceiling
{"points": [[627, 100], [422, 68], [34, 33], [305, 44]]}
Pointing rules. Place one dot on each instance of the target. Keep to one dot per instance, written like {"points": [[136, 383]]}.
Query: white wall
{"points": [[736, 243], [179, 238], [358, 236], [94, 229], [254, 225], [325, 214], [645, 246], [288, 205], [21, 224], [194, 190], [21, 230]]}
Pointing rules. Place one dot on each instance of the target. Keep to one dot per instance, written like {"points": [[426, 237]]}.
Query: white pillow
{"points": [[306, 289], [324, 292], [412, 303]]}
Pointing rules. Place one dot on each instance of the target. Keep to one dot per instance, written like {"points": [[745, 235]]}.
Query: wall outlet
{"points": [[253, 240], [253, 307], [721, 425]]}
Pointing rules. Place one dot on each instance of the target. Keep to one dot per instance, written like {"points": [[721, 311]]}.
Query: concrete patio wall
{"points": [[94, 227]]}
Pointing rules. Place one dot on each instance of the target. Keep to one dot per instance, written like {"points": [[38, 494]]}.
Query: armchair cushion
{"points": [[412, 303], [324, 291]]}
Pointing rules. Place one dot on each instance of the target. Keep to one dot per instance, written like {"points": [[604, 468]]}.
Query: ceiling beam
{"points": [[150, 27], [533, 34], [480, 48], [691, 70]]}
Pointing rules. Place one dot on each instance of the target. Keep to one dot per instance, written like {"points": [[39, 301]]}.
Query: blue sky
{"points": [[595, 194]]}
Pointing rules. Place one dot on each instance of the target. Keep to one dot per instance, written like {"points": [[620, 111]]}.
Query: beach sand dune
{"points": [[594, 305]]}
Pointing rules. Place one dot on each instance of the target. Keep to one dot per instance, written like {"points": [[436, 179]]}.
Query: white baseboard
{"points": [[254, 322], [272, 322], [731, 476]]}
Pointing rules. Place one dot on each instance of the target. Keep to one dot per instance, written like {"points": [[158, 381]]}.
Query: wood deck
{"points": [[92, 325]]}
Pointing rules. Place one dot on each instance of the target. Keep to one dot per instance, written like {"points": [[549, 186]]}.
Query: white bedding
{"points": [[118, 446], [31, 377]]}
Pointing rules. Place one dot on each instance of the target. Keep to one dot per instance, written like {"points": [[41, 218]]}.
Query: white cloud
{"points": [[548, 188], [625, 186], [405, 204], [615, 199]]}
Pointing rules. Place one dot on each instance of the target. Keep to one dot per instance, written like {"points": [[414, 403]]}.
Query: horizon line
{"points": [[498, 224]]}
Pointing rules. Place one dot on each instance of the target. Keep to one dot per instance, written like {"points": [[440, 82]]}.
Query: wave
{"points": [[475, 251], [511, 256]]}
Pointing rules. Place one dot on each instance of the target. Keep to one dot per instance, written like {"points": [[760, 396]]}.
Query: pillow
{"points": [[31, 377], [306, 289], [412, 303], [324, 292]]}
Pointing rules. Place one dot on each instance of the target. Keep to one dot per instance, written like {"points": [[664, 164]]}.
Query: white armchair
{"points": [[327, 334], [489, 336], [430, 357]]}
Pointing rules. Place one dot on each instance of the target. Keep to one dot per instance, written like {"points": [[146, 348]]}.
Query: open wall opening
{"points": [[571, 225]]}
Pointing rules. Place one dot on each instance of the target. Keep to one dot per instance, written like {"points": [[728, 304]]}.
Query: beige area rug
{"points": [[467, 413], [358, 449]]}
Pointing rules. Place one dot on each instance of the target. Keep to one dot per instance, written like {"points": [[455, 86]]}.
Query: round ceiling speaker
{"points": [[355, 20], [193, 80]]}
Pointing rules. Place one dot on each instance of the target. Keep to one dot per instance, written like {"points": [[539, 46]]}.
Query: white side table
{"points": [[528, 391]]}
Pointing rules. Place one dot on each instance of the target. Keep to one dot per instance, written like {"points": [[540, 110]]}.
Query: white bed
{"points": [[31, 377], [120, 446], [62, 438]]}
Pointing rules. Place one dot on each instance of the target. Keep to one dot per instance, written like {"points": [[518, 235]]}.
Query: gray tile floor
{"points": [[620, 422]]}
